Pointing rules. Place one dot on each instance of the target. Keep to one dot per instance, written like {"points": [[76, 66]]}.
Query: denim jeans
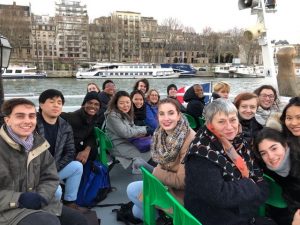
{"points": [[134, 191], [71, 175]]}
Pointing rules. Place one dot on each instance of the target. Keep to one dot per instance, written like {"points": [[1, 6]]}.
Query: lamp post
{"points": [[5, 50]]}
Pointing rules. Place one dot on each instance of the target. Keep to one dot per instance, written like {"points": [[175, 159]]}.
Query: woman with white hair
{"points": [[223, 183]]}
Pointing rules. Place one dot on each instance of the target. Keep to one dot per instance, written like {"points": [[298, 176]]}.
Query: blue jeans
{"points": [[134, 191], [71, 174]]}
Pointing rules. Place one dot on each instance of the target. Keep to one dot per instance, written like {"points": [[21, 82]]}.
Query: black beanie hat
{"points": [[171, 86], [90, 96]]}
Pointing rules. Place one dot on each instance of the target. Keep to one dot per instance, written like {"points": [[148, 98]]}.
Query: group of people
{"points": [[216, 173]]}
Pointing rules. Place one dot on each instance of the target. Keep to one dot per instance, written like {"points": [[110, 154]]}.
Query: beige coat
{"points": [[173, 174], [22, 172]]}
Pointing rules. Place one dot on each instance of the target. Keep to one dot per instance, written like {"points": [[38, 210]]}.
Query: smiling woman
{"points": [[223, 184], [121, 129]]}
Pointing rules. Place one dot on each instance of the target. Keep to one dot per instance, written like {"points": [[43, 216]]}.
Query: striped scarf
{"points": [[165, 148], [27, 144]]}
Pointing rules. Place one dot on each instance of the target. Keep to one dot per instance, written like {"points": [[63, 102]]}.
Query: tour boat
{"points": [[21, 72], [127, 71]]}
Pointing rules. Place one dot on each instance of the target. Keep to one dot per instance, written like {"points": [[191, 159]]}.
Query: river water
{"points": [[72, 86]]}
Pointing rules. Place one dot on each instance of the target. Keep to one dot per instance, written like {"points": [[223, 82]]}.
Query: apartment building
{"points": [[43, 40], [72, 42], [15, 25]]}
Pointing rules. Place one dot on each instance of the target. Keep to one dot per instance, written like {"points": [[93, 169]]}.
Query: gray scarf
{"points": [[165, 148], [27, 144], [285, 166]]}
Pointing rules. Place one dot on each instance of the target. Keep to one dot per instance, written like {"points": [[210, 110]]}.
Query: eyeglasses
{"points": [[267, 96]]}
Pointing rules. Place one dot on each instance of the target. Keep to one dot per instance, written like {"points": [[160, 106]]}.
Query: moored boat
{"points": [[185, 70], [127, 71], [22, 72]]}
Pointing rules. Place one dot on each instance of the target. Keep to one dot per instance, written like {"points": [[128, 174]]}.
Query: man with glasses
{"points": [[267, 97]]}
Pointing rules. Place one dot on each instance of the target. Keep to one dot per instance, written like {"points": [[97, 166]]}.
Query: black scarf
{"points": [[208, 146]]}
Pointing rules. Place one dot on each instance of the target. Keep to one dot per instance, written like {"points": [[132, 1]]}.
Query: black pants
{"points": [[68, 217]]}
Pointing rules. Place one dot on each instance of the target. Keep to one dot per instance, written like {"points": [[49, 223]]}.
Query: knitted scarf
{"points": [[27, 144], [284, 167], [207, 145], [165, 148]]}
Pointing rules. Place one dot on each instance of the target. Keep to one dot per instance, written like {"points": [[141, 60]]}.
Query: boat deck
{"points": [[119, 178]]}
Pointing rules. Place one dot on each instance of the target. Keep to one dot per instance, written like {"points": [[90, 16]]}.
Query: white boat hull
{"points": [[16, 72], [127, 71]]}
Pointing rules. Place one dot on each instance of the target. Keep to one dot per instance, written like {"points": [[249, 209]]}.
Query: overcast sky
{"points": [[220, 15]]}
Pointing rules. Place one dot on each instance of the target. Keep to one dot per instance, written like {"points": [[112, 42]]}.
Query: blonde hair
{"points": [[221, 85]]}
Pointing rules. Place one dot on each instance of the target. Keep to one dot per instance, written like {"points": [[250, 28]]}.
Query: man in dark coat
{"points": [[59, 134], [83, 122]]}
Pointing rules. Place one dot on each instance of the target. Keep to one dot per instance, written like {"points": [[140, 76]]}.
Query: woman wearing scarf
{"points": [[275, 153], [224, 185], [170, 144]]}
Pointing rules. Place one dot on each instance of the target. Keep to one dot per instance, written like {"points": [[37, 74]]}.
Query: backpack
{"points": [[94, 185]]}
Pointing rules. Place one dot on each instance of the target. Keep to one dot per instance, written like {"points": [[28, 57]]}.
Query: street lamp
{"points": [[5, 50]]}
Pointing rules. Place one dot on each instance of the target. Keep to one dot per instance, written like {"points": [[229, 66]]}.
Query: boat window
{"points": [[121, 73], [126, 74], [8, 71], [18, 71]]}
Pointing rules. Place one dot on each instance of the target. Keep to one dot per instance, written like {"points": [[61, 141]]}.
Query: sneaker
{"points": [[73, 205]]}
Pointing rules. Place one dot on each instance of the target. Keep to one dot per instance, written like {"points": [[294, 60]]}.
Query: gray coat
{"points": [[119, 130], [23, 172]]}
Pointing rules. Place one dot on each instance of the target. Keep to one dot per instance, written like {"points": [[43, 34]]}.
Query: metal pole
{"points": [[1, 88], [1, 79]]}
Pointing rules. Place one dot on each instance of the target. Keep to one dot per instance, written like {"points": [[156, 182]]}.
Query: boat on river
{"points": [[22, 72], [239, 71], [185, 70], [126, 71]]}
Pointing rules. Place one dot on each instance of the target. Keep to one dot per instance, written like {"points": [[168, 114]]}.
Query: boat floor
{"points": [[119, 178]]}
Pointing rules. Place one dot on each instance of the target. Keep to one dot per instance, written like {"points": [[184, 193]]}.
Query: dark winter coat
{"points": [[83, 130], [250, 128], [215, 192], [64, 146], [139, 115], [195, 104]]}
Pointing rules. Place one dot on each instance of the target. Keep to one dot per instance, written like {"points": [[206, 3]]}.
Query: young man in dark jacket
{"points": [[59, 134]]}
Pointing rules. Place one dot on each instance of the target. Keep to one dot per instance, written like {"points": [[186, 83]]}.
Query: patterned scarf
{"points": [[27, 144], [165, 148], [207, 145]]}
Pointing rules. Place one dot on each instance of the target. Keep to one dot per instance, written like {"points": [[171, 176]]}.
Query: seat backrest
{"points": [[191, 120], [155, 193], [104, 145], [275, 198], [275, 195], [180, 214], [201, 121]]}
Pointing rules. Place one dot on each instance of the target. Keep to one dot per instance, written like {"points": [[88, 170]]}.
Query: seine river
{"points": [[73, 86]]}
